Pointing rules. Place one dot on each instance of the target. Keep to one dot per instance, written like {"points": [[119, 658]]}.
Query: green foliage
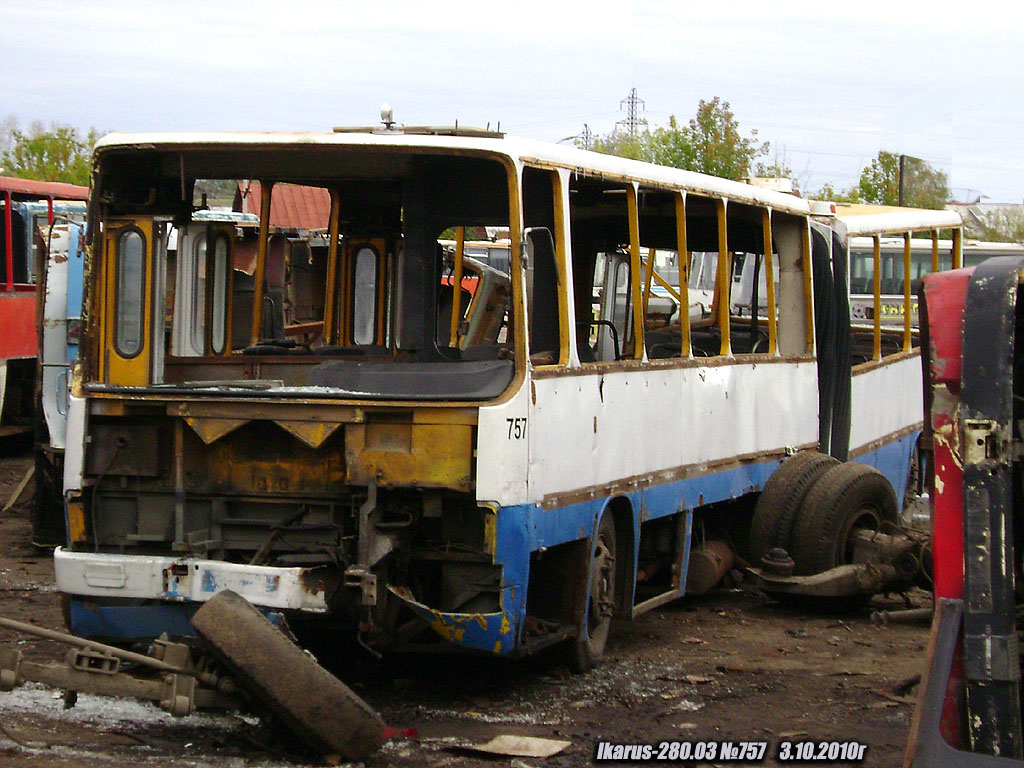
{"points": [[59, 154], [923, 186], [828, 192], [879, 183], [717, 146], [777, 169], [624, 145], [710, 143], [219, 192]]}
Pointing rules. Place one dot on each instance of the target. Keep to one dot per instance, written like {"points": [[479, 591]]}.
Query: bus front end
{"points": [[290, 405]]}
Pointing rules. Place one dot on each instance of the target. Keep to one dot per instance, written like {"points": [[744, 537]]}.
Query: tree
{"points": [[710, 143], [58, 154], [623, 145], [714, 143], [829, 192], [923, 186]]}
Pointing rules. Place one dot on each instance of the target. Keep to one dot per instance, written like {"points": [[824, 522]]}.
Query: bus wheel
{"points": [[847, 497], [315, 705], [589, 645], [779, 502]]}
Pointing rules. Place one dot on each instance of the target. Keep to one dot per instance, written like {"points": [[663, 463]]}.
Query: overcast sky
{"points": [[828, 84]]}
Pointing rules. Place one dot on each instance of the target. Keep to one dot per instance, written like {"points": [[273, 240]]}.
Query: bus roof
{"points": [[925, 243], [20, 189], [517, 150], [861, 219]]}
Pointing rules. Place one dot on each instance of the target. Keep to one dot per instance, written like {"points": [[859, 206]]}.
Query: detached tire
{"points": [[779, 502], [597, 622], [315, 705], [847, 497]]}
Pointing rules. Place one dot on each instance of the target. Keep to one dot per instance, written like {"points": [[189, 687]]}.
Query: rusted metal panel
{"points": [[211, 430], [124, 449], [432, 455], [261, 458], [312, 434], [991, 652]]}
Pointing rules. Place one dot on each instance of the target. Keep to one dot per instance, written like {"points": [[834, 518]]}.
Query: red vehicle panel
{"points": [[18, 320]]}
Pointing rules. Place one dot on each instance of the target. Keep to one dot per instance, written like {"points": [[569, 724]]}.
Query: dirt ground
{"points": [[730, 666]]}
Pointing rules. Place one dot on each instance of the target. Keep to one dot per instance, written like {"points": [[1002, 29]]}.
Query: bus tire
{"points": [[847, 497], [315, 705], [600, 599], [779, 502]]}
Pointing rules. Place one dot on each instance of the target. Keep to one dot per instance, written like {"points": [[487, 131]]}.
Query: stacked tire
{"points": [[811, 506]]}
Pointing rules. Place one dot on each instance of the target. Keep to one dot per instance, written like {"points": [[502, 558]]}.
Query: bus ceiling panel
{"points": [[466, 190], [463, 189], [304, 163], [701, 234]]}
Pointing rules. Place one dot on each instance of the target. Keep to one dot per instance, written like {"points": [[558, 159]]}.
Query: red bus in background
{"points": [[27, 209]]}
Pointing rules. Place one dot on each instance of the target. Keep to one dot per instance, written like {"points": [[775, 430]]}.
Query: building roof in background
{"points": [[291, 205]]}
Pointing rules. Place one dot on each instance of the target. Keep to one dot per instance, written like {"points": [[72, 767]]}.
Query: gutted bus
{"points": [[499, 455]]}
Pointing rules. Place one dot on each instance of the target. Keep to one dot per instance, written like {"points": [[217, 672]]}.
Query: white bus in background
{"points": [[862, 308]]}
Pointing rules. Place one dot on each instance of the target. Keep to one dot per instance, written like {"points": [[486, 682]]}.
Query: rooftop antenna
{"points": [[387, 115]]}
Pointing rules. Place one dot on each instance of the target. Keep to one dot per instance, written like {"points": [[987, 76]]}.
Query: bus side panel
{"points": [[53, 353], [886, 408], [502, 451], [549, 527], [585, 436]]}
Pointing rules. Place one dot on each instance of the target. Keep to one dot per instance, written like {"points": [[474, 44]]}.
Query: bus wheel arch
{"points": [[604, 583]]}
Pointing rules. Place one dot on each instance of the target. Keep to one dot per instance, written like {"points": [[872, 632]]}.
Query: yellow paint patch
{"points": [[453, 634], [211, 430], [491, 532], [76, 521], [313, 434], [438, 455]]}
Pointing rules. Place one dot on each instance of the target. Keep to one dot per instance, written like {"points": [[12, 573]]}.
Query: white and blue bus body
{"points": [[406, 477]]}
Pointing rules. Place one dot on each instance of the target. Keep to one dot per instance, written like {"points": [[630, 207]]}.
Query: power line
{"points": [[586, 137], [633, 121]]}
